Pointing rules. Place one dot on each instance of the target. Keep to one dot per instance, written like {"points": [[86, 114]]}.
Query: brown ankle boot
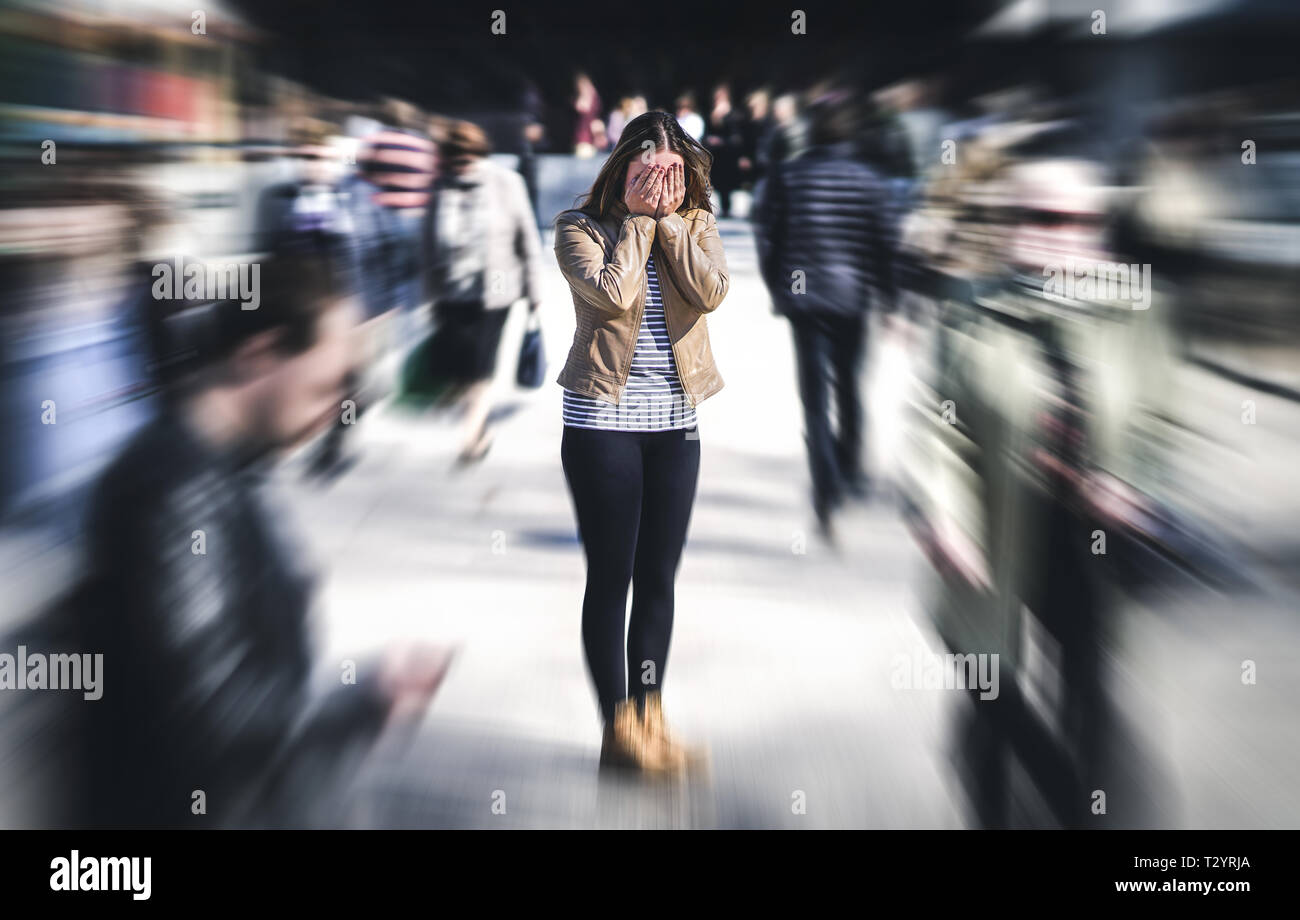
{"points": [[627, 746], [623, 745], [675, 754]]}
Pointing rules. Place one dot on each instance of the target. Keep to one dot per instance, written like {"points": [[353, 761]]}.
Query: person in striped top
{"points": [[653, 399], [396, 167], [630, 448], [399, 160]]}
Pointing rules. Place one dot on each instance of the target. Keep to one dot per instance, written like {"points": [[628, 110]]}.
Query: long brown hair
{"points": [[662, 130]]}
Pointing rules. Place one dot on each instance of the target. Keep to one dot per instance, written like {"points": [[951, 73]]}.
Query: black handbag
{"points": [[531, 371]]}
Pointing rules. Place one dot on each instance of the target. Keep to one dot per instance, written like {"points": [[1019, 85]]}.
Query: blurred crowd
{"points": [[1055, 286], [1049, 279], [744, 137]]}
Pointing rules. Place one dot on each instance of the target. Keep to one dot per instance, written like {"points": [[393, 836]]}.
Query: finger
{"points": [[654, 176]]}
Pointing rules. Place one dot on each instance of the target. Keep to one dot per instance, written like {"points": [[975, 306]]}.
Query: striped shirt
{"points": [[401, 163], [653, 399]]}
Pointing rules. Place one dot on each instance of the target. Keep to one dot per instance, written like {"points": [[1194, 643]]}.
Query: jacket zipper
{"points": [[677, 363], [627, 361]]}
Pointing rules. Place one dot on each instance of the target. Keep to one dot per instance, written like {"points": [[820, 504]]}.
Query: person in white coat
{"points": [[483, 254]]}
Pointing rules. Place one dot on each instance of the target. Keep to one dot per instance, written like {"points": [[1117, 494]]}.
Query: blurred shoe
{"points": [[327, 470], [627, 746], [475, 452], [623, 746], [858, 487], [675, 754], [825, 527]]}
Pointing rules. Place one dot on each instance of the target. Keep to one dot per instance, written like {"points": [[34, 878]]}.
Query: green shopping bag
{"points": [[420, 384]]}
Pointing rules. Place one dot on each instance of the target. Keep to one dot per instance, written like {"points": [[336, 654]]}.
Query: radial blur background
{"points": [[1008, 422]]}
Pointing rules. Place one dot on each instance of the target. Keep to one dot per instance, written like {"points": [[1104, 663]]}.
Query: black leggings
{"points": [[632, 492]]}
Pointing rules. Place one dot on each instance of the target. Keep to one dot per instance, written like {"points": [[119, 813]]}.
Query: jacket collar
{"points": [[472, 178]]}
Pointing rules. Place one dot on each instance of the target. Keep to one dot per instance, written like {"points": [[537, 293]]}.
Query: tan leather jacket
{"points": [[604, 262]]}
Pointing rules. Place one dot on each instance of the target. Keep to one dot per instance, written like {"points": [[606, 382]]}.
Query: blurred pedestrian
{"points": [[628, 107], [377, 249], [309, 210], [787, 134], [823, 236], [483, 254], [690, 120], [399, 161], [725, 139], [532, 138], [385, 199], [198, 596], [316, 212], [752, 168], [587, 108], [645, 263]]}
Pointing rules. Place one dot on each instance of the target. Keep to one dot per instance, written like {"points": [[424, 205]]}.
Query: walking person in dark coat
{"points": [[823, 229]]}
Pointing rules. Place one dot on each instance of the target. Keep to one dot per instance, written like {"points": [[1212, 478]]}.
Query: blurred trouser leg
{"points": [[982, 760], [410, 260], [388, 346], [474, 427], [846, 349], [604, 470], [406, 276], [474, 341], [812, 348], [330, 456], [365, 386], [528, 170], [670, 470]]}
